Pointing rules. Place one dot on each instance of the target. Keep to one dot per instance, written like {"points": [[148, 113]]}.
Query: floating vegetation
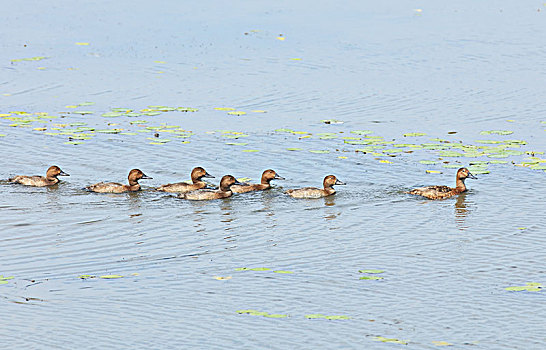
{"points": [[390, 340], [414, 134], [319, 151], [250, 150], [441, 343], [36, 58], [498, 132], [4, 280], [294, 149], [529, 287], [237, 143], [428, 162], [361, 132], [331, 121], [220, 278], [371, 272], [333, 317], [224, 108], [261, 313], [237, 113]]}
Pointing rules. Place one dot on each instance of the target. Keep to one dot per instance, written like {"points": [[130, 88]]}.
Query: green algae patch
{"points": [[450, 154], [253, 269], [332, 121], [374, 278], [237, 143], [529, 287], [4, 280], [327, 317], [390, 340], [319, 151], [84, 277], [294, 149], [428, 162], [283, 271], [497, 132], [110, 276], [361, 132], [237, 113], [414, 134], [260, 313], [371, 271]]}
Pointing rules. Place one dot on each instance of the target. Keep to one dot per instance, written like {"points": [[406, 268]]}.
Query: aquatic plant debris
{"points": [[390, 340], [529, 287], [333, 317], [441, 343], [261, 313], [4, 280]]}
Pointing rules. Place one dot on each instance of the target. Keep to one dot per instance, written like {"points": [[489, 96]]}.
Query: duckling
{"points": [[196, 175], [205, 194], [40, 181], [440, 192], [313, 192], [114, 187], [267, 176]]}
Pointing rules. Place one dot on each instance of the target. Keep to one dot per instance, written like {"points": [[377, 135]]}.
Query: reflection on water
{"points": [[462, 209]]}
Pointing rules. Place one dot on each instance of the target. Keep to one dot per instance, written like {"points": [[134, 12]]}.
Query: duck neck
{"points": [[329, 190], [51, 178], [225, 188], [460, 186]]}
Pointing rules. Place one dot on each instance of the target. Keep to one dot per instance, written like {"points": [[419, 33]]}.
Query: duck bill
{"points": [[62, 173], [146, 177], [277, 177], [208, 175], [472, 176], [238, 183], [339, 182]]}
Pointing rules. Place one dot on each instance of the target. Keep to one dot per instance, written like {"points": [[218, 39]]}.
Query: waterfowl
{"points": [[182, 187], [440, 192], [114, 187], [313, 192], [40, 181], [205, 194], [267, 176]]}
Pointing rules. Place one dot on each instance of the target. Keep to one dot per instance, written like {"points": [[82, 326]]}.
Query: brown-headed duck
{"points": [[114, 187], [440, 192], [206, 194], [313, 192], [40, 181], [182, 187], [267, 176]]}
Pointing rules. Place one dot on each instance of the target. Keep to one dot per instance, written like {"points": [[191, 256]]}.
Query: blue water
{"points": [[449, 70]]}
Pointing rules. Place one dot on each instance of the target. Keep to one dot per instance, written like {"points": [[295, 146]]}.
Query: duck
{"points": [[313, 192], [265, 184], [206, 194], [40, 181], [441, 192], [182, 187], [114, 187]]}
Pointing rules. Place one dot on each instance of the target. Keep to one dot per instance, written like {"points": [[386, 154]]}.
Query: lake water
{"points": [[457, 84]]}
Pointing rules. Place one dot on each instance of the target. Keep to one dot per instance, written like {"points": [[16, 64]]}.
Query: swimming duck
{"points": [[205, 194], [313, 192], [40, 181], [196, 175], [267, 176], [440, 192], [114, 187]]}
